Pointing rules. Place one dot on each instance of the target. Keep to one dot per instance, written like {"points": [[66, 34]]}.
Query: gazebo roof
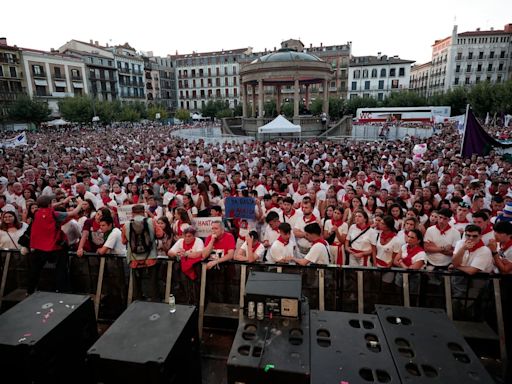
{"points": [[285, 55]]}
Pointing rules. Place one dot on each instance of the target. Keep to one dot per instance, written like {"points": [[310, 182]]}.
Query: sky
{"points": [[393, 27]]}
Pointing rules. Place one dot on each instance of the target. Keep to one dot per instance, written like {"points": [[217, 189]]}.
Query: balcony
{"points": [[9, 60], [124, 70], [40, 75], [59, 76], [76, 78], [10, 96]]}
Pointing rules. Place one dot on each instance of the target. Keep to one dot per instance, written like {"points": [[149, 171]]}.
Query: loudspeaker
{"points": [[44, 338], [271, 351], [148, 344], [426, 347], [348, 347]]}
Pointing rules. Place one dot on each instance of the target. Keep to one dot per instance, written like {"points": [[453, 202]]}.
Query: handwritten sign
{"points": [[124, 212], [203, 225], [240, 208]]}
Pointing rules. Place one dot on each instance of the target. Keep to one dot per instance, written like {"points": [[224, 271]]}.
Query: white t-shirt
{"points": [[417, 257], [342, 230], [197, 247], [363, 243], [279, 251], [318, 254], [385, 252], [481, 258], [114, 242], [259, 251], [449, 238]]}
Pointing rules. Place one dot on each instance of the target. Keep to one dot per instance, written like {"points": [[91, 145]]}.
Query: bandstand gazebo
{"points": [[281, 70]]}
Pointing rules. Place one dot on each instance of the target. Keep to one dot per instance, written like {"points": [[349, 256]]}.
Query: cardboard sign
{"points": [[124, 212], [203, 225], [240, 208]]}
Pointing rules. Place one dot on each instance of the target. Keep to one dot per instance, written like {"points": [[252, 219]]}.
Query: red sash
{"points": [[411, 252]]}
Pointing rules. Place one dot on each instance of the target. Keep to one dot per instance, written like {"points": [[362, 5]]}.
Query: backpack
{"points": [[140, 238]]}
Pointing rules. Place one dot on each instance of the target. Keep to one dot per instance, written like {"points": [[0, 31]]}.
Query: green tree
{"points": [[182, 114], [154, 109], [141, 108], [238, 110], [359, 102], [129, 113], [270, 108], [503, 99], [316, 106], [287, 109], [226, 112], [27, 110], [77, 109], [482, 98], [336, 107]]}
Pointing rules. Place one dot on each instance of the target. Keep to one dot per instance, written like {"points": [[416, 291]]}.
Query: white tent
{"points": [[57, 122], [198, 116], [279, 125]]}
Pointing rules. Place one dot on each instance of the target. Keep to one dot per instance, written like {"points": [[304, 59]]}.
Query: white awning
{"points": [[40, 82], [77, 85], [60, 84]]}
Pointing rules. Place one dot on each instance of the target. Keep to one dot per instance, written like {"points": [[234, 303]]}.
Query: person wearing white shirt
{"points": [[319, 252], [113, 243], [251, 250], [440, 240], [281, 250], [360, 241]]}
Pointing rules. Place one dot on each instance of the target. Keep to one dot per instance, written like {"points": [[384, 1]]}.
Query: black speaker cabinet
{"points": [[427, 348], [44, 339], [271, 351], [349, 348], [147, 344]]}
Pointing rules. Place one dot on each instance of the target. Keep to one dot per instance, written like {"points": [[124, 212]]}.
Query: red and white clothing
{"points": [[222, 245], [259, 251], [459, 225], [448, 237], [479, 257], [270, 234], [196, 246], [506, 250], [178, 227], [303, 244], [279, 250], [385, 252], [336, 248], [412, 255], [319, 252], [363, 243], [291, 218]]}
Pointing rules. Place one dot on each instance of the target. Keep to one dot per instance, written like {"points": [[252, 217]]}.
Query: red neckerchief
{"points": [[337, 223], [255, 245], [507, 245], [487, 230], [275, 205], [280, 239], [293, 213], [386, 236], [319, 240], [302, 194], [188, 247], [411, 252], [465, 221], [312, 219], [477, 245], [443, 231], [179, 231], [363, 227]]}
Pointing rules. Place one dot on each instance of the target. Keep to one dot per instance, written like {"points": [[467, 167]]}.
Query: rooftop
{"points": [[285, 55]]}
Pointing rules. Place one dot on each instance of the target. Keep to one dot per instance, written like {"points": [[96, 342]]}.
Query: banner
{"points": [[240, 208], [21, 139], [203, 225], [124, 212]]}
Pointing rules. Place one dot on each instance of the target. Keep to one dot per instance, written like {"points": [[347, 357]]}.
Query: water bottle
{"points": [[172, 304]]}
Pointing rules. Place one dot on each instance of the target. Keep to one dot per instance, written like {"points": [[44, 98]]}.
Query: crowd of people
{"points": [[316, 202]]}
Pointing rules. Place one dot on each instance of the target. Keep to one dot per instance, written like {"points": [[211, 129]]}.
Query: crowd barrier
{"points": [[329, 286]]}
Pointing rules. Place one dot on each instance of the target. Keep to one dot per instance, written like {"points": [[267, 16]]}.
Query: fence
{"points": [[329, 287], [209, 135]]}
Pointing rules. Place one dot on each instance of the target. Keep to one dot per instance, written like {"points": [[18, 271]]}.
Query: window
{"points": [[40, 90], [381, 84], [367, 85], [58, 75], [479, 68], [225, 70], [60, 89], [227, 92], [75, 74], [357, 74], [37, 70], [468, 68], [467, 81], [394, 84], [459, 56], [491, 55], [500, 67], [457, 68], [383, 72], [456, 81], [489, 67], [470, 55], [380, 96], [366, 95], [401, 71], [354, 86], [12, 71], [498, 79], [502, 54], [480, 55], [374, 73], [365, 73], [392, 72], [1, 71], [235, 93], [477, 80], [234, 81]]}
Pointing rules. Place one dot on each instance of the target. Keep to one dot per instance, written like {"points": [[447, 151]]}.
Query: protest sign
{"points": [[203, 225], [240, 208]]}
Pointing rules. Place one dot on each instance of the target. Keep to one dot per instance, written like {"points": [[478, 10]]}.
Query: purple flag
{"points": [[476, 140]]}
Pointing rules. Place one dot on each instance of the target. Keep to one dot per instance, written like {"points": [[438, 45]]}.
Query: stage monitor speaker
{"points": [[427, 348], [44, 338], [271, 351], [148, 344], [349, 348]]}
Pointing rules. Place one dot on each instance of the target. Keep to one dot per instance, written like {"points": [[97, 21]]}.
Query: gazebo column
{"points": [[278, 102], [260, 98], [244, 100], [253, 114], [326, 96], [307, 97], [296, 98]]}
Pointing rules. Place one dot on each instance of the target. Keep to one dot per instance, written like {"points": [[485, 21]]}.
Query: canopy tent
{"points": [[279, 125], [198, 116], [57, 122]]}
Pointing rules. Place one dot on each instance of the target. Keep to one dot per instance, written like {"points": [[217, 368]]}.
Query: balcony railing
{"points": [[59, 76], [76, 78], [39, 75]]}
